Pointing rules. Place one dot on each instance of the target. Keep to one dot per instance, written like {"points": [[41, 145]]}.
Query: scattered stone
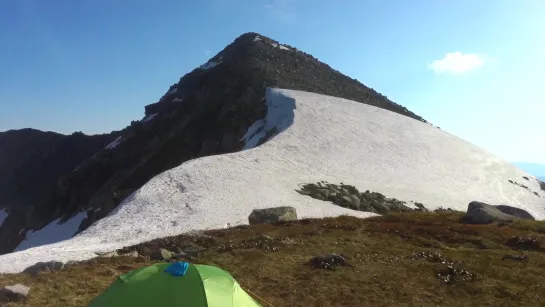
{"points": [[191, 250], [481, 213], [329, 261], [430, 256], [49, 266], [272, 215], [523, 243], [526, 178], [133, 254], [421, 207], [162, 255], [107, 254], [541, 184], [181, 256], [441, 209], [265, 238], [451, 275], [260, 242], [13, 293], [516, 257], [71, 263]]}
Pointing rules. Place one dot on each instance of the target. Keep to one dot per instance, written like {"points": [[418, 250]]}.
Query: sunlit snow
{"points": [[315, 138], [114, 144], [149, 117], [209, 65]]}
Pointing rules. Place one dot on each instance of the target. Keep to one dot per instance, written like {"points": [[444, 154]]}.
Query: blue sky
{"points": [[474, 68]]}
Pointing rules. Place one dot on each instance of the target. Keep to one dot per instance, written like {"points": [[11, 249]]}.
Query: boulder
{"points": [[516, 212], [481, 213], [191, 250], [133, 254], [107, 254], [162, 255], [355, 202], [13, 293], [271, 215], [49, 266]]}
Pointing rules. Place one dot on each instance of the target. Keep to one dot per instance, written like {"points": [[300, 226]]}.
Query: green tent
{"points": [[175, 284]]}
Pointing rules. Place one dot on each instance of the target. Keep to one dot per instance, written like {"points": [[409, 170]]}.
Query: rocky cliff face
{"points": [[32, 162], [205, 113]]}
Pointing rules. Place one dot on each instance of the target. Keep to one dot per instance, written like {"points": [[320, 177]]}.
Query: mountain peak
{"points": [[207, 112], [257, 60]]}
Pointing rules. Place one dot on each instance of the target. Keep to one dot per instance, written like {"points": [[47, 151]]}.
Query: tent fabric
{"points": [[222, 289], [165, 285], [177, 268]]}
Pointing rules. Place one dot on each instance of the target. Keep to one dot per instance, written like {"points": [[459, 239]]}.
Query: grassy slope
{"points": [[277, 272]]}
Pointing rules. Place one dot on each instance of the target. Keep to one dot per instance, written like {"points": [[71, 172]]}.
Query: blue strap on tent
{"points": [[177, 268]]}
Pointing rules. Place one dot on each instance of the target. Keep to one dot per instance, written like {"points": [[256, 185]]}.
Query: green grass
{"points": [[387, 253]]}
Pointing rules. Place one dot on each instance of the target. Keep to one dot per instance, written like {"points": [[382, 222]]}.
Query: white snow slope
{"points": [[319, 138]]}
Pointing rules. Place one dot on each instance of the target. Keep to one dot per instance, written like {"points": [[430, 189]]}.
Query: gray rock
{"points": [[481, 213], [162, 255], [133, 254], [49, 266], [71, 263], [180, 256], [271, 215], [13, 293], [107, 254], [355, 202], [265, 238], [516, 212], [191, 250]]}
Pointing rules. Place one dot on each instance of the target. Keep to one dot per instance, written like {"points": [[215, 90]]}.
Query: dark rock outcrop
{"points": [[49, 266], [481, 213], [34, 166], [206, 112], [350, 197], [329, 261]]}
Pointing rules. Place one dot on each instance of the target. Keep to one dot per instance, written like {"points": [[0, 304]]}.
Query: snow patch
{"points": [[282, 47], [53, 232], [115, 143], [149, 117], [209, 65], [327, 138], [257, 38], [279, 117], [172, 91], [177, 99], [3, 215]]}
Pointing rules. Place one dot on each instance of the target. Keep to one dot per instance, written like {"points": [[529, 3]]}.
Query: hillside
{"points": [[409, 259], [311, 138], [206, 112], [32, 163]]}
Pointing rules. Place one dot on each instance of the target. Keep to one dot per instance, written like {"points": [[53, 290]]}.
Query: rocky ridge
{"points": [[32, 164]]}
